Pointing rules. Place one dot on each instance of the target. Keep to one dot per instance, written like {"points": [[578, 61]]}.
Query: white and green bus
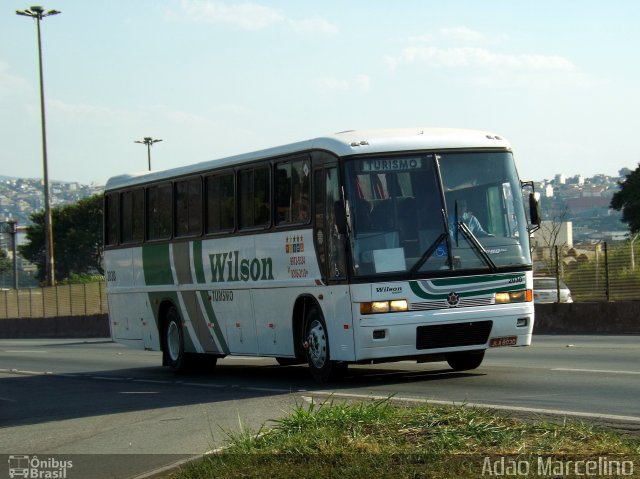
{"points": [[354, 248]]}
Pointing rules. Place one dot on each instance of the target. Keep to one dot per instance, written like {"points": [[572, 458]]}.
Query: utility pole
{"points": [[13, 230], [147, 140], [633, 259], [38, 13]]}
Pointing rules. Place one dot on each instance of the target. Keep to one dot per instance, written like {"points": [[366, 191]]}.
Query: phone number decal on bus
{"points": [[298, 272], [297, 260]]}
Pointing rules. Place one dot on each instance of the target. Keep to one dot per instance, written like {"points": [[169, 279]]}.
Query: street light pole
{"points": [[38, 13], [13, 231], [147, 140]]}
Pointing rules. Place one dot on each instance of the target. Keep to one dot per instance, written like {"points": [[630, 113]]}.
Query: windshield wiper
{"points": [[466, 232], [428, 253]]}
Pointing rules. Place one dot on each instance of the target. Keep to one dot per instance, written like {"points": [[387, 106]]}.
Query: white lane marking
{"points": [[604, 371], [267, 390], [30, 373], [24, 351], [555, 412], [201, 385], [138, 392], [7, 399]]}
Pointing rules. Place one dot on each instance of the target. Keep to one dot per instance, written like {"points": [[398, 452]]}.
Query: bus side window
{"points": [[159, 212], [188, 197], [132, 217], [254, 197], [221, 203], [112, 215], [329, 241], [320, 234], [283, 193], [292, 192]]}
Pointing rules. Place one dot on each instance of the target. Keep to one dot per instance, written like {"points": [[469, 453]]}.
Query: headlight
{"points": [[514, 296], [392, 306]]}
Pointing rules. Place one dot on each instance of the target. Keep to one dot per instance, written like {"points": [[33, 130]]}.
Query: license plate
{"points": [[505, 341]]}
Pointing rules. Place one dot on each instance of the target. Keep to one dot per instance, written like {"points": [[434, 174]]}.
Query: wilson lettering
{"points": [[230, 267]]}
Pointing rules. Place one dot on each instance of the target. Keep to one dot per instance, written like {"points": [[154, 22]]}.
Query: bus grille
{"points": [[453, 335], [442, 304]]}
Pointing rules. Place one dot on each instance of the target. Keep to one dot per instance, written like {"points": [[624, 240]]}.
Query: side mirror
{"points": [[534, 206], [534, 209]]}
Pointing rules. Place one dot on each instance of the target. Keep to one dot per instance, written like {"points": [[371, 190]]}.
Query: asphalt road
{"points": [[117, 413]]}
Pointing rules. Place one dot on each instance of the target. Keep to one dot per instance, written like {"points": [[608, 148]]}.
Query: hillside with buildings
{"points": [[21, 197], [582, 206]]}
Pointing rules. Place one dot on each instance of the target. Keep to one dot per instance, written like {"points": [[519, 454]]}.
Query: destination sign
{"points": [[379, 165]]}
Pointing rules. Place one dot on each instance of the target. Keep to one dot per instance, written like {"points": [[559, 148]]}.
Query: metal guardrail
{"points": [[595, 272], [64, 300]]}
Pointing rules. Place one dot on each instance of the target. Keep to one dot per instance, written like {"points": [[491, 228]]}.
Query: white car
{"points": [[545, 290]]}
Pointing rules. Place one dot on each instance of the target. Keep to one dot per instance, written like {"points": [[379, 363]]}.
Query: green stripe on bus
{"points": [[156, 264], [197, 262], [474, 280], [418, 291], [211, 315]]}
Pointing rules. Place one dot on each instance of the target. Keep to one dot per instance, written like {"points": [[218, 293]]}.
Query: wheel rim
{"points": [[317, 344], [173, 341]]}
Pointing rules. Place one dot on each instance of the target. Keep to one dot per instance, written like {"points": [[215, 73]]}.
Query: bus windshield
{"points": [[427, 213]]}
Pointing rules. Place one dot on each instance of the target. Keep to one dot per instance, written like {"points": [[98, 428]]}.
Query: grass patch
{"points": [[381, 439]]}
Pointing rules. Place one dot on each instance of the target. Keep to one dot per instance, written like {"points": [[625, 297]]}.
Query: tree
{"points": [[549, 235], [77, 239], [5, 264], [627, 199]]}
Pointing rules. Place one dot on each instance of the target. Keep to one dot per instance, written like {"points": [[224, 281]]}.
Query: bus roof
{"points": [[346, 143]]}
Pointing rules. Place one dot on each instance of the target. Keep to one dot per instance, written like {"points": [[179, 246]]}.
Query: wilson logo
{"points": [[389, 289], [230, 267]]}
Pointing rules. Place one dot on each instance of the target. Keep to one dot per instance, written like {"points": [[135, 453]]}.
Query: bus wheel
{"points": [[316, 344], [174, 342], [465, 361]]}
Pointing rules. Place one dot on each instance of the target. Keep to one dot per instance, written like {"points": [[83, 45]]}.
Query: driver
{"points": [[470, 220]]}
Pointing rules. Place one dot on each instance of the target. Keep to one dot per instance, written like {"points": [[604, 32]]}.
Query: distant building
{"points": [[553, 234], [578, 180], [592, 205], [548, 191], [614, 235], [544, 241]]}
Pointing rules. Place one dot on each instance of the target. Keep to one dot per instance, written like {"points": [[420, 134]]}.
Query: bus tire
{"points": [[465, 361], [316, 343], [175, 356]]}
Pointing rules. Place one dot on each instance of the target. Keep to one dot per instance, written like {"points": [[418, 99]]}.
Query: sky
{"points": [[559, 79]]}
